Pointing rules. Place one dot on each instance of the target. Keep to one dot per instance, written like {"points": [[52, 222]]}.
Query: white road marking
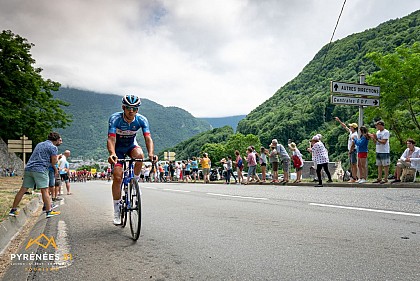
{"points": [[63, 246], [236, 196], [366, 209], [176, 190]]}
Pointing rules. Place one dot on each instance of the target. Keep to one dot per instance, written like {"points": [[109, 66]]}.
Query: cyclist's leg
{"points": [[137, 153], [117, 180], [117, 173]]}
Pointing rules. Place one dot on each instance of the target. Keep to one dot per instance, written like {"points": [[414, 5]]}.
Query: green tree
{"points": [[27, 105], [399, 79], [241, 142]]}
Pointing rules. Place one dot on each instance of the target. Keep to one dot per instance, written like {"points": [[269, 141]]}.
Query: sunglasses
{"points": [[131, 108]]}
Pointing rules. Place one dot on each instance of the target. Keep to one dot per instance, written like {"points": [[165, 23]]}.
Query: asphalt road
{"points": [[232, 232]]}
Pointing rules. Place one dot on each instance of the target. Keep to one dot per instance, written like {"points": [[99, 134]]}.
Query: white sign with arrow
{"points": [[354, 101], [355, 89]]}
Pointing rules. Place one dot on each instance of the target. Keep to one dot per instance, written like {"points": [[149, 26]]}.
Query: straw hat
{"points": [[292, 145]]}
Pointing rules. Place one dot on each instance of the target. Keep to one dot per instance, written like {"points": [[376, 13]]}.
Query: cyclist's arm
{"points": [[111, 146], [149, 145]]}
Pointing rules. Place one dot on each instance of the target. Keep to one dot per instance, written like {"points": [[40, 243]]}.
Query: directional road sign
{"points": [[355, 89], [354, 101], [169, 155], [22, 145]]}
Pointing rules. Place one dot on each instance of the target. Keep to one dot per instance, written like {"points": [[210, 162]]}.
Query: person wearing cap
{"points": [[297, 159], [284, 158], [381, 138], [320, 158], [352, 130]]}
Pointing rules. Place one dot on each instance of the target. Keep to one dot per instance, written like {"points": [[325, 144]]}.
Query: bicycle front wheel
{"points": [[135, 209], [123, 207]]}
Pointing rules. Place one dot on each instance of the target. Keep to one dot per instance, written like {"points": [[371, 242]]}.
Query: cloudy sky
{"points": [[212, 58]]}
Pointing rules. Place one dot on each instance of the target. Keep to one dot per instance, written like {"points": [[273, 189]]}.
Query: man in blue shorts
{"points": [[122, 130], [36, 173]]}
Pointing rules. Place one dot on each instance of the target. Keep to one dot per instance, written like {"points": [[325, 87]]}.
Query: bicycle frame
{"points": [[130, 188]]}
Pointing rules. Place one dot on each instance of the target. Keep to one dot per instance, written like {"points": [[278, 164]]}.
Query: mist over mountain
{"points": [[218, 122]]}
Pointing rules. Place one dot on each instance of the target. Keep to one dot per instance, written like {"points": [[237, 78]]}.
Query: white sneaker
{"points": [[117, 217], [362, 181]]}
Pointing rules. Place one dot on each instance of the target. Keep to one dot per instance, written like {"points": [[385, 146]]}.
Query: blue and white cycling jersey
{"points": [[125, 132]]}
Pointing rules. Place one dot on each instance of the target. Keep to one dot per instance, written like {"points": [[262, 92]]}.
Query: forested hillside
{"points": [[302, 107], [87, 134], [192, 147]]}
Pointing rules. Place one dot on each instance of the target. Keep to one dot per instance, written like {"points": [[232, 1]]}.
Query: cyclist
{"points": [[122, 130]]}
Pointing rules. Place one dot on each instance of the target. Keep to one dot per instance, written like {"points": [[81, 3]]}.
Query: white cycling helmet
{"points": [[131, 100]]}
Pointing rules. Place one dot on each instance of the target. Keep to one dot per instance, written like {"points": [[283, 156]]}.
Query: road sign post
{"points": [[23, 145], [357, 94]]}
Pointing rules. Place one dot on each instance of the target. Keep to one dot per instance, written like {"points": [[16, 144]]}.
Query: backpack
{"points": [[296, 161], [240, 163], [257, 158]]}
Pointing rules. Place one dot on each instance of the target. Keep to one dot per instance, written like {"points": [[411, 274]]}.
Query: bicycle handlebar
{"points": [[134, 160]]}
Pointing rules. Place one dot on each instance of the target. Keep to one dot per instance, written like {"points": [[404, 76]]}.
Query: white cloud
{"points": [[212, 58]]}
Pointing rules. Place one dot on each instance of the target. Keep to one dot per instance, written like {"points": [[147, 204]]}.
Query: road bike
{"points": [[130, 197]]}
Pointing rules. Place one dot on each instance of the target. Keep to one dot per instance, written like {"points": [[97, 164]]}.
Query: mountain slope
{"points": [[302, 107], [87, 135]]}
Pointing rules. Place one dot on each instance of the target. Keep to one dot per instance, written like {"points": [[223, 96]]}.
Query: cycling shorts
{"points": [[122, 151]]}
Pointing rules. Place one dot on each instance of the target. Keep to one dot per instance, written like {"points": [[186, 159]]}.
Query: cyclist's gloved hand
{"points": [[112, 159]]}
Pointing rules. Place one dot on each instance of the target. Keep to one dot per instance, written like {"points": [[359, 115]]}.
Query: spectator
{"points": [[194, 167], [205, 165], [352, 130], [284, 158], [171, 168], [362, 153], [229, 171], [166, 171], [162, 177], [64, 169], [263, 163], [381, 138], [320, 158], [239, 166], [252, 165], [409, 159], [274, 161], [36, 173], [187, 173], [297, 161]]}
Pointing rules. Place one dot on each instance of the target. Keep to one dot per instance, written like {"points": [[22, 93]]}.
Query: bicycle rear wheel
{"points": [[135, 210]]}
